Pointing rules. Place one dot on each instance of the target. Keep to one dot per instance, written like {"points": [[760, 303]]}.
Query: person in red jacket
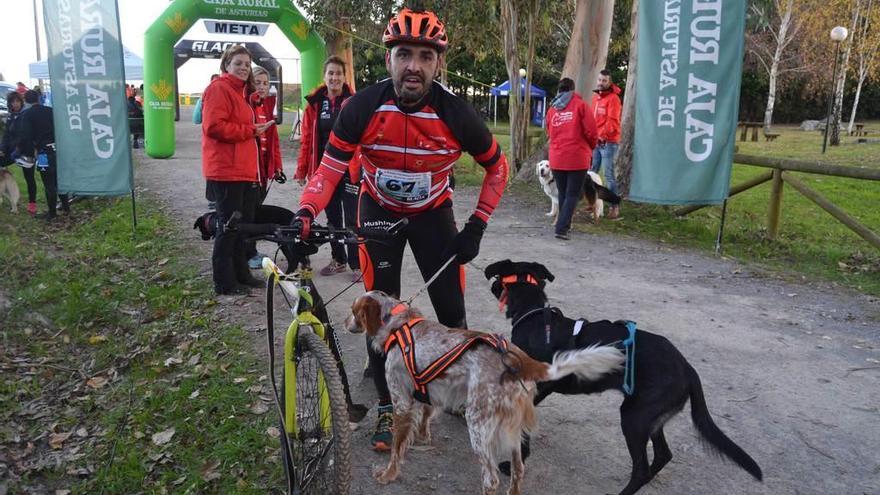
{"points": [[572, 134], [322, 109], [230, 165], [606, 111], [269, 151]]}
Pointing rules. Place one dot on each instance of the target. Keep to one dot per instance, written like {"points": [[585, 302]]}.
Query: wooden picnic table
{"points": [[859, 130], [754, 126]]}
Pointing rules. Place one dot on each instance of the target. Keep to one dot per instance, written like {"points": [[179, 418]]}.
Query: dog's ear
{"points": [[368, 314], [205, 225], [498, 268], [544, 273], [537, 270]]}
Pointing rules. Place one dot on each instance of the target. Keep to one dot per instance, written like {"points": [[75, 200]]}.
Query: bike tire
{"points": [[328, 472]]}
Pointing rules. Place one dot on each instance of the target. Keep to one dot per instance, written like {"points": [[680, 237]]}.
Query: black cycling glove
{"points": [[466, 244], [303, 220]]}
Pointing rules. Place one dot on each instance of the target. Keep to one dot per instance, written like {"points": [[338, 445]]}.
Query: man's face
{"points": [[604, 82], [412, 68]]}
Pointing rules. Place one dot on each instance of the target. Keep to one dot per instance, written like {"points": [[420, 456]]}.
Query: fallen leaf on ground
{"points": [[163, 437], [209, 470], [56, 440], [259, 408], [273, 432], [194, 360], [96, 382], [172, 361], [239, 380], [82, 432], [97, 339], [194, 394]]}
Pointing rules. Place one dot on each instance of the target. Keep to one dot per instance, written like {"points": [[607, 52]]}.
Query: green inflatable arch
{"points": [[160, 37]]}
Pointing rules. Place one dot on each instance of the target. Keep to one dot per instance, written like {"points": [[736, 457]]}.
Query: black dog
{"points": [[663, 379]]}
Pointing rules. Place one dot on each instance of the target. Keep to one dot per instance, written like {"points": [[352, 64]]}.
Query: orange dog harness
{"points": [[403, 337]]}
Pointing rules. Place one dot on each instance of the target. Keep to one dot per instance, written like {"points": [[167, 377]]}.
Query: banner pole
{"points": [[134, 218], [719, 238]]}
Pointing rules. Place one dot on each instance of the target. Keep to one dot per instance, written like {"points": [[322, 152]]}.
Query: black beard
{"points": [[409, 97]]}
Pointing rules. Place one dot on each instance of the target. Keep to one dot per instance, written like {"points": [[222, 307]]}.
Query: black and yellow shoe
{"points": [[381, 439]]}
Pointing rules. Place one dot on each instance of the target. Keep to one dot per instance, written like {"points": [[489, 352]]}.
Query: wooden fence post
{"points": [[775, 205]]}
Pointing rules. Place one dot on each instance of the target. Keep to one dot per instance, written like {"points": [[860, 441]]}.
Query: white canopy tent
{"points": [[134, 67]]}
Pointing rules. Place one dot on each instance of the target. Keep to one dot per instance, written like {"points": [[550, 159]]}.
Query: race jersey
{"points": [[407, 154]]}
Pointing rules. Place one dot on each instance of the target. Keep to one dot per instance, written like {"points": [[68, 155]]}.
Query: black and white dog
{"points": [[594, 191], [663, 380]]}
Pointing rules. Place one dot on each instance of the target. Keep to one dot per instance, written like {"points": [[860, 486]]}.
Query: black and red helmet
{"points": [[422, 27]]}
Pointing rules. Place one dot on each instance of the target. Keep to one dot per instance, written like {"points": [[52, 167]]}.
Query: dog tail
{"points": [[710, 431], [588, 364]]}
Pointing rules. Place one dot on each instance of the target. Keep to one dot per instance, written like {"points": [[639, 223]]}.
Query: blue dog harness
{"points": [[629, 348]]}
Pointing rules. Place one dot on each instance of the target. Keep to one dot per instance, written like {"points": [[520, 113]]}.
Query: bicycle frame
{"points": [[291, 285]]}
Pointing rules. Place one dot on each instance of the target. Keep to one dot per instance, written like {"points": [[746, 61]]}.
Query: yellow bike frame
{"points": [[292, 286]]}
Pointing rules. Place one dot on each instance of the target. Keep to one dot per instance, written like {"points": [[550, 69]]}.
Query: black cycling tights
{"points": [[428, 234]]}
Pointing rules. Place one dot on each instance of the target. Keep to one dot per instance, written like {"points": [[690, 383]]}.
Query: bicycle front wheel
{"points": [[321, 439]]}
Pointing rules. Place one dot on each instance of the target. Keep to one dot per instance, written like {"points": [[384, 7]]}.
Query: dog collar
{"points": [[396, 310], [513, 279], [519, 278]]}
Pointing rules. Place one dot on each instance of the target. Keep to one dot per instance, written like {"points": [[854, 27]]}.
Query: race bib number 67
{"points": [[407, 187]]}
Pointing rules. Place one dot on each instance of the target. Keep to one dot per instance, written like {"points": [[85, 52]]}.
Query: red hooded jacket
{"points": [[606, 112], [309, 159], [572, 133], [229, 150], [268, 142]]}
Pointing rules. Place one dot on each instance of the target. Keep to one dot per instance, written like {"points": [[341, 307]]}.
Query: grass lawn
{"points": [[796, 144], [118, 375], [811, 243]]}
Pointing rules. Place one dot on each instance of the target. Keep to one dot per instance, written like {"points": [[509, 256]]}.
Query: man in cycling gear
{"points": [[410, 130]]}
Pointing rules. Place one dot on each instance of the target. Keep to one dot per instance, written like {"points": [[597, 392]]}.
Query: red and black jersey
{"points": [[407, 154]]}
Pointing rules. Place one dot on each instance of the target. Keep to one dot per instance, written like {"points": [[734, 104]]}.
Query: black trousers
{"points": [[30, 178], [280, 216], [570, 186], [229, 260], [49, 176], [251, 246], [342, 212], [429, 234]]}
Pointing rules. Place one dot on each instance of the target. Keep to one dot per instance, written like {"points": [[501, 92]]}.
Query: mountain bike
{"points": [[313, 400]]}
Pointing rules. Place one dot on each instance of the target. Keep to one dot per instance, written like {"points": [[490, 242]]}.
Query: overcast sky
{"points": [[19, 48]]}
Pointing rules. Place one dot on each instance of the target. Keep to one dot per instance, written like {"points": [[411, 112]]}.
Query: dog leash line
{"points": [[431, 280]]}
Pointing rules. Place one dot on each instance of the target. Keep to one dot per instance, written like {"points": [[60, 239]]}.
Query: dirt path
{"points": [[790, 371]]}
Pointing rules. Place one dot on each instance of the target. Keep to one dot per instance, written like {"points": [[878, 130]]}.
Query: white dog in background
{"points": [[9, 189], [548, 183]]}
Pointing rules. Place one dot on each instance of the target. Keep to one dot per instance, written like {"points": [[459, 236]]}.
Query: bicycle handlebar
{"points": [[288, 234]]}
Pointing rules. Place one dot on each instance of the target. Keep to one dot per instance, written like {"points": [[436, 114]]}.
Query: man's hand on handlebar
{"points": [[303, 220]]}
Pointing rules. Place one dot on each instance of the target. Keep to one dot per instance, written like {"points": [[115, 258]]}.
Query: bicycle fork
{"points": [[290, 340]]}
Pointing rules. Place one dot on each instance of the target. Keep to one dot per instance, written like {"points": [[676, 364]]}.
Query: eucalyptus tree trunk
{"points": [[623, 161], [866, 50], [841, 80], [526, 114], [509, 23], [781, 42], [588, 48]]}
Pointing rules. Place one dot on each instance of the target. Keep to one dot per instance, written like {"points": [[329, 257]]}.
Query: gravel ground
{"points": [[790, 370]]}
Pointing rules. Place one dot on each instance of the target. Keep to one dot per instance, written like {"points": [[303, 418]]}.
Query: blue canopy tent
{"points": [[538, 107]]}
